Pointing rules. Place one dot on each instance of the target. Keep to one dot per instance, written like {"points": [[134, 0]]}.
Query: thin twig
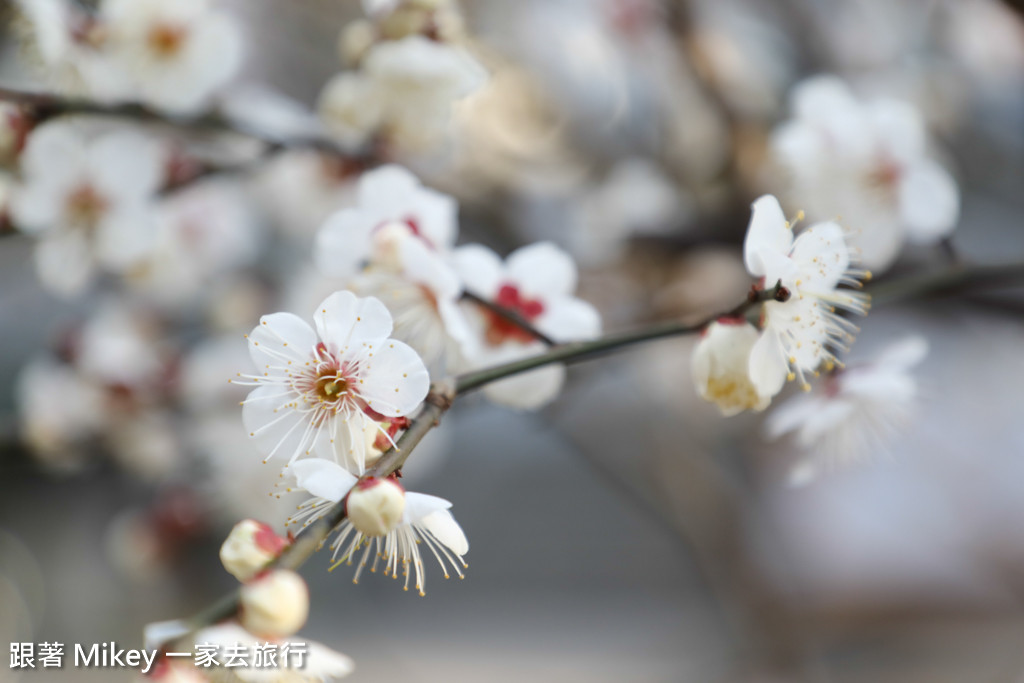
{"points": [[509, 315], [956, 279]]}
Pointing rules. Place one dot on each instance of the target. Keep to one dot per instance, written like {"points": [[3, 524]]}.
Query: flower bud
{"points": [[249, 547], [375, 506], [274, 605], [721, 367]]}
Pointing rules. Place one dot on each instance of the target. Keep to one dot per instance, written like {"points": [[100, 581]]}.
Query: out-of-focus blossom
{"points": [[316, 389], [303, 188], [70, 44], [800, 330], [536, 283], [351, 108], [391, 206], [274, 604], [249, 547], [425, 521], [407, 87], [205, 231], [58, 411], [855, 411], [865, 163], [721, 367], [90, 202], [176, 54]]}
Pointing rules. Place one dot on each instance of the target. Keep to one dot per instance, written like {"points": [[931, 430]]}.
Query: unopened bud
{"points": [[249, 547], [375, 506], [274, 605]]}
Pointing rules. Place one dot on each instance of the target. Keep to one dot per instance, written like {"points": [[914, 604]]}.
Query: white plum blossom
{"points": [[425, 522], [855, 411], [70, 44], [404, 91], [802, 329], [58, 409], [204, 232], [176, 54], [536, 283], [352, 108], [865, 163], [721, 367], [398, 238], [89, 201], [391, 205], [317, 389]]}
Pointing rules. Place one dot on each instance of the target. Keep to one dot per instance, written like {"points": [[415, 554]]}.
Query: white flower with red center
{"points": [[425, 522], [855, 411], [317, 389], [866, 163], [176, 54], [90, 202], [536, 283], [392, 206], [721, 367], [802, 328]]}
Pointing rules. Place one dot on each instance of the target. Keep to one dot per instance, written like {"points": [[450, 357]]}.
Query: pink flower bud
{"points": [[249, 547]]}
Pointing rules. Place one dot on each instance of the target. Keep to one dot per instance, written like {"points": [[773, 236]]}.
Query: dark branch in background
{"points": [[1017, 6], [44, 107]]}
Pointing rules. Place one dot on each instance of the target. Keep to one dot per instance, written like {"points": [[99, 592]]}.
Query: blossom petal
{"points": [[279, 338], [126, 237], [420, 505], [127, 166], [822, 257], [929, 202], [343, 243], [768, 368], [64, 262], [344, 320], [904, 353], [898, 129], [276, 431], [442, 526], [480, 268], [528, 390], [768, 232], [323, 478], [542, 270], [395, 379], [569, 319]]}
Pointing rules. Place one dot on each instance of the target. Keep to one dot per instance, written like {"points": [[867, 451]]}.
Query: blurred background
{"points": [[627, 531]]}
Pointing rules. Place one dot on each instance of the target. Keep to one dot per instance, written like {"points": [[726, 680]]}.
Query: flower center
{"points": [[499, 328], [330, 387], [85, 206], [166, 40], [884, 179]]}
